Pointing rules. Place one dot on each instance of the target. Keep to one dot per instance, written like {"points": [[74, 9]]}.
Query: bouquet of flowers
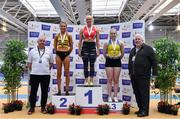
{"points": [[50, 108], [126, 108]]}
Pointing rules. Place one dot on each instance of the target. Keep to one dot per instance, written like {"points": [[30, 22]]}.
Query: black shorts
{"points": [[62, 54], [110, 62]]}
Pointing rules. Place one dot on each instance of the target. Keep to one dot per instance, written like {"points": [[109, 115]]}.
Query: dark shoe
{"points": [[43, 110], [142, 114], [59, 93], [67, 93], [31, 110], [137, 112]]}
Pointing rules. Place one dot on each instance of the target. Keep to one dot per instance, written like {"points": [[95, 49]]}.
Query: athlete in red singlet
{"points": [[89, 50]]}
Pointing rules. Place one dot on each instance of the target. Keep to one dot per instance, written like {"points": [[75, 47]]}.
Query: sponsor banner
{"points": [[126, 32]]}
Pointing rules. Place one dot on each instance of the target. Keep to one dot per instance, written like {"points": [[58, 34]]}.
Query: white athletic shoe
{"points": [[115, 99], [109, 99], [86, 83], [91, 83]]}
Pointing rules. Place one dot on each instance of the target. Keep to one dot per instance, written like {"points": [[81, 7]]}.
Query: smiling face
{"points": [[41, 42], [89, 20], [63, 27], [138, 40], [113, 34]]}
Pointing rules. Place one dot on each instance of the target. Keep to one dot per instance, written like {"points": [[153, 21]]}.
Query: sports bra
{"points": [[113, 51], [61, 43], [89, 33]]}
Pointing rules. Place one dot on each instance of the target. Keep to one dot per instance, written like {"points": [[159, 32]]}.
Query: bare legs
{"points": [[66, 68], [66, 63], [59, 73], [113, 77]]}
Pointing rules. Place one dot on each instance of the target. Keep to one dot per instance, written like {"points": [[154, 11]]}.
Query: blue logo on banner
{"points": [[34, 34], [127, 50], [126, 34], [79, 81], [124, 66], [126, 82], [137, 25], [46, 27], [54, 51], [102, 81], [105, 96], [101, 66], [79, 66], [54, 81], [30, 49], [54, 34], [54, 66], [77, 37], [126, 98], [70, 88], [69, 29], [47, 43], [71, 59], [101, 51], [70, 73], [103, 36], [76, 51], [116, 27]]}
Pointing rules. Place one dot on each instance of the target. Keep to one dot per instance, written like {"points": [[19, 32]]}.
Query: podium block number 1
{"points": [[89, 95]]}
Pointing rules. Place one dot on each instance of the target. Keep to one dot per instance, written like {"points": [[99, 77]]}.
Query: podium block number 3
{"points": [[113, 106], [63, 102], [89, 95]]}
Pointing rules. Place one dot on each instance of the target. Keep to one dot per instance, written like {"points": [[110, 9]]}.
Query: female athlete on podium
{"points": [[89, 40], [113, 52]]}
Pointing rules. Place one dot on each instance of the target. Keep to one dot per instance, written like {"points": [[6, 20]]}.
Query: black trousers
{"points": [[141, 88], [88, 55], [35, 80]]}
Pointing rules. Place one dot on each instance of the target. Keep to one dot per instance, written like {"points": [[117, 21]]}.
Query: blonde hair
{"points": [[89, 17], [113, 30]]}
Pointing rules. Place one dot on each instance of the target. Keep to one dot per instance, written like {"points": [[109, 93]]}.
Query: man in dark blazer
{"points": [[141, 60]]}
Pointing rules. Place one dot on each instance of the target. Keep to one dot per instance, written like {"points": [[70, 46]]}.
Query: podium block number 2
{"points": [[89, 95], [63, 102]]}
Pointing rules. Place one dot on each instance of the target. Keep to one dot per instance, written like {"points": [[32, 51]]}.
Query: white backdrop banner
{"points": [[125, 31]]}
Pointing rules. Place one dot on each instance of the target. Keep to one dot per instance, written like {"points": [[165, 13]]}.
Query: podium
{"points": [[89, 96], [115, 106], [63, 101]]}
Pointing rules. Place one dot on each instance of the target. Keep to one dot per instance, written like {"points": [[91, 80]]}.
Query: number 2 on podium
{"points": [[63, 104], [89, 94]]}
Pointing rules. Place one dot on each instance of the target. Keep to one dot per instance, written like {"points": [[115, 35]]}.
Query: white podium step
{"points": [[89, 96], [115, 106], [63, 101]]}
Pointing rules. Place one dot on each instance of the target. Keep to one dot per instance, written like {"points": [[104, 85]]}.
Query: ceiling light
{"points": [[151, 27], [4, 29], [178, 28]]}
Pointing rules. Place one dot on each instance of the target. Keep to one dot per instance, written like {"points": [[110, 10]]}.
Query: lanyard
{"points": [[114, 44], [40, 55], [89, 32], [62, 38]]}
